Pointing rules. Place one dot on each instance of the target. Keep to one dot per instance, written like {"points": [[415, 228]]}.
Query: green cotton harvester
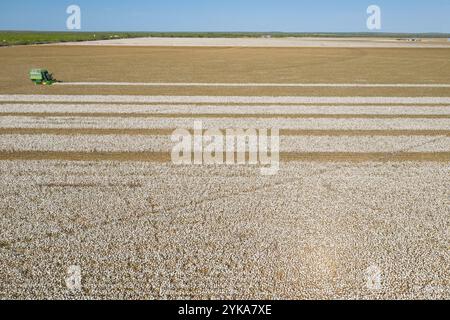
{"points": [[42, 77]]}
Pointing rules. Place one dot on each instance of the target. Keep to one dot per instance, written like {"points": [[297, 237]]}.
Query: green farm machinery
{"points": [[41, 77]]}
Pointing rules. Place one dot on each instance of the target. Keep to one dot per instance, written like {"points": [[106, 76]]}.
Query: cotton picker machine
{"points": [[42, 77]]}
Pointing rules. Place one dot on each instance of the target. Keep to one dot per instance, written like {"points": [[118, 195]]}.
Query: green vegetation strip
{"points": [[9, 38]]}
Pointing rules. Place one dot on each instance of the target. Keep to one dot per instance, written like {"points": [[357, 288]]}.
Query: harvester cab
{"points": [[41, 76]]}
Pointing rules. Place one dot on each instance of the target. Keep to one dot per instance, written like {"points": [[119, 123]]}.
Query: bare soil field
{"points": [[228, 65]]}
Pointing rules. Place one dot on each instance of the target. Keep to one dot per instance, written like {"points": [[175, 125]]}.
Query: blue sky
{"points": [[227, 15]]}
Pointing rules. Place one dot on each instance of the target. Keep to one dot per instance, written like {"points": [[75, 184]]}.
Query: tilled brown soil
{"points": [[226, 65]]}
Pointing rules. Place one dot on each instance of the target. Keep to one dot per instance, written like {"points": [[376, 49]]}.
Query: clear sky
{"points": [[227, 15]]}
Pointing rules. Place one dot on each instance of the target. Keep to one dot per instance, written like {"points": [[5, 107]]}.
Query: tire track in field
{"points": [[165, 157], [258, 85], [223, 99], [222, 115]]}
